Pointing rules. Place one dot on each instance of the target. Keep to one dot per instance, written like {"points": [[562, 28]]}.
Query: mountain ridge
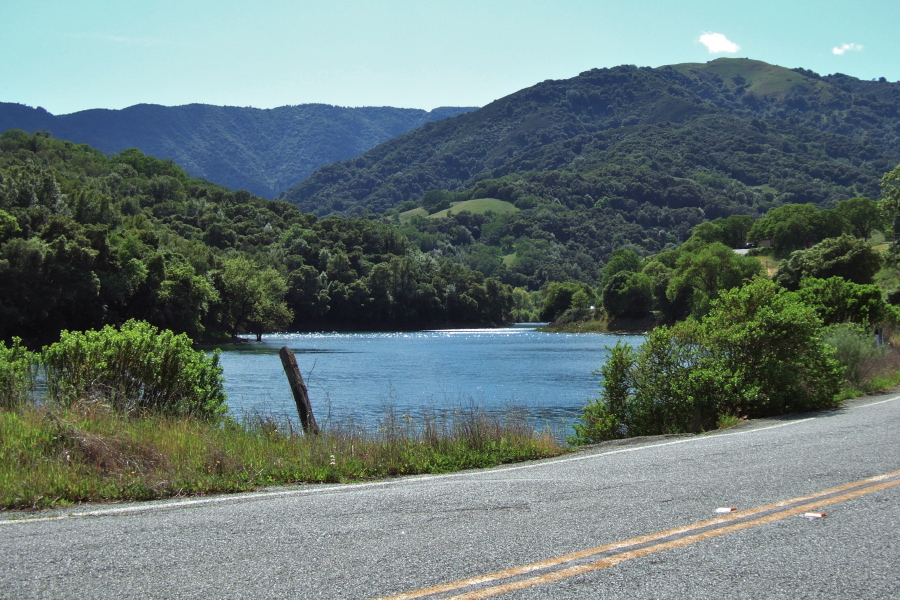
{"points": [[792, 111], [264, 151]]}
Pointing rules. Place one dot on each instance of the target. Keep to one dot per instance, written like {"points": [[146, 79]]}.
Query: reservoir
{"points": [[356, 377]]}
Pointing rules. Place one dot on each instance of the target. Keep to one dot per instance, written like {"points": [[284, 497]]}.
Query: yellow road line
{"points": [[870, 485]]}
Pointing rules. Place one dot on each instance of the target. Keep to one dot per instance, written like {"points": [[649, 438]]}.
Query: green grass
{"points": [[479, 207], [760, 78], [52, 457]]}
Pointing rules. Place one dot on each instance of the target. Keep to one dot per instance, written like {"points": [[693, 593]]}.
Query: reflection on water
{"points": [[355, 376]]}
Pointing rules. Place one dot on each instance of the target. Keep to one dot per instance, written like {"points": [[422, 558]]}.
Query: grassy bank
{"points": [[53, 457]]}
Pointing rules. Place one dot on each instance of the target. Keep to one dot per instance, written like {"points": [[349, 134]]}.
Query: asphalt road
{"points": [[596, 524]]}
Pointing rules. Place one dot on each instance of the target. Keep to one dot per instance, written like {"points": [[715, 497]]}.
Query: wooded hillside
{"points": [[262, 151]]}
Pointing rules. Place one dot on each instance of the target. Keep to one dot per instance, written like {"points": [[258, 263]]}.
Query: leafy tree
{"points": [[862, 216], [622, 259], [890, 199], [252, 299], [628, 295], [559, 298], [837, 300], [846, 256], [795, 226], [702, 273]]}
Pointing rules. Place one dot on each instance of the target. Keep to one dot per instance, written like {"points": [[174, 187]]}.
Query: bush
{"points": [[757, 353], [855, 349], [18, 368], [136, 368]]}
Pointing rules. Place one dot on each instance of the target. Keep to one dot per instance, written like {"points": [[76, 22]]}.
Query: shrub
{"points": [[757, 353], [18, 368], [136, 368], [854, 349]]}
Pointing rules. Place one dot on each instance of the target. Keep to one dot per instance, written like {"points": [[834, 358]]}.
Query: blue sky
{"points": [[68, 56]]}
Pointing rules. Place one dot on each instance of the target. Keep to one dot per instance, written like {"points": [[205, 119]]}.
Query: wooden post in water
{"points": [[298, 389]]}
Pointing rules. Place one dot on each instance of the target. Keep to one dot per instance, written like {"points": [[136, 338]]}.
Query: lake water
{"points": [[354, 376]]}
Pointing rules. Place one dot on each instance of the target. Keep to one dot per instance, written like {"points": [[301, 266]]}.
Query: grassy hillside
{"points": [[480, 206]]}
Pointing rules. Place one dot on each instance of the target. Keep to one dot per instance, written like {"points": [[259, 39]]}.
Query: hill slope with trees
{"points": [[264, 151], [88, 240], [625, 157]]}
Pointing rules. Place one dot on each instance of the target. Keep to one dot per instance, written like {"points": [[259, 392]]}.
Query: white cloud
{"points": [[839, 50], [716, 42]]}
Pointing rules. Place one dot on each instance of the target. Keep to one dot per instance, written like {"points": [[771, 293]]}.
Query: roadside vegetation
{"points": [[746, 344], [136, 414]]}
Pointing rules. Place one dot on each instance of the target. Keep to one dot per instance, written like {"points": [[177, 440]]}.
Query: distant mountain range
{"points": [[264, 151], [728, 136]]}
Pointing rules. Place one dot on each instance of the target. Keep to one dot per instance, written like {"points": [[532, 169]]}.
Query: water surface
{"points": [[356, 375]]}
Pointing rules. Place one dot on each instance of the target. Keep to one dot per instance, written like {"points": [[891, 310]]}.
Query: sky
{"points": [[67, 56]]}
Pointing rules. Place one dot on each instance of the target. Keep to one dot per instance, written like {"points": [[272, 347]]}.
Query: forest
{"points": [[263, 151], [88, 239], [624, 157]]}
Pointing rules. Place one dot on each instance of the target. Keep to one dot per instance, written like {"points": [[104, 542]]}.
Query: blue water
{"points": [[354, 376]]}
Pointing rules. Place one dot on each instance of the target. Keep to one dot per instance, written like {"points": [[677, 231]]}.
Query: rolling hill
{"points": [[622, 157], [644, 135]]}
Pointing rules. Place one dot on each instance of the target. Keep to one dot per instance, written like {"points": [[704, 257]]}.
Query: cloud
{"points": [[839, 50], [716, 42]]}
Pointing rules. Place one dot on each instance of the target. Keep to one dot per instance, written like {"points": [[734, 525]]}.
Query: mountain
{"points": [[264, 151], [728, 136], [625, 157]]}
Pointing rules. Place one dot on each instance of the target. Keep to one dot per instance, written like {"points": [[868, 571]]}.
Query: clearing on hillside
{"points": [[479, 206]]}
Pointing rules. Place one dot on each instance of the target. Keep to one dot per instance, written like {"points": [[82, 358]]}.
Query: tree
{"points": [[706, 271], [252, 299], [628, 295], [795, 226], [837, 300], [846, 256], [558, 298], [890, 199], [862, 216], [621, 259]]}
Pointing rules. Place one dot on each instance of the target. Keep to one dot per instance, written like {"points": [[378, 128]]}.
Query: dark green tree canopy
{"points": [[846, 256]]}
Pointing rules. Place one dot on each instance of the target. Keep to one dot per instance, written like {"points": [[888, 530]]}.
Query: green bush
{"points": [[757, 353], [136, 368], [18, 368], [855, 348]]}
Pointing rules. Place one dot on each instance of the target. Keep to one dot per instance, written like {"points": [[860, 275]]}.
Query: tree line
{"points": [[88, 240]]}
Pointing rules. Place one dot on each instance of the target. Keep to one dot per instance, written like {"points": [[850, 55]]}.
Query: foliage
{"points": [[263, 151], [795, 226], [18, 368], [88, 240], [135, 368], [53, 457], [854, 348], [757, 353], [559, 297], [861, 215], [702, 272], [628, 295], [837, 300], [845, 256]]}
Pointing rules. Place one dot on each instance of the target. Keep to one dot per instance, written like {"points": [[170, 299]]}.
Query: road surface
{"points": [[629, 521]]}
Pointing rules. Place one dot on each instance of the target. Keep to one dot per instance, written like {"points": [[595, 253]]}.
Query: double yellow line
{"points": [[555, 569]]}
